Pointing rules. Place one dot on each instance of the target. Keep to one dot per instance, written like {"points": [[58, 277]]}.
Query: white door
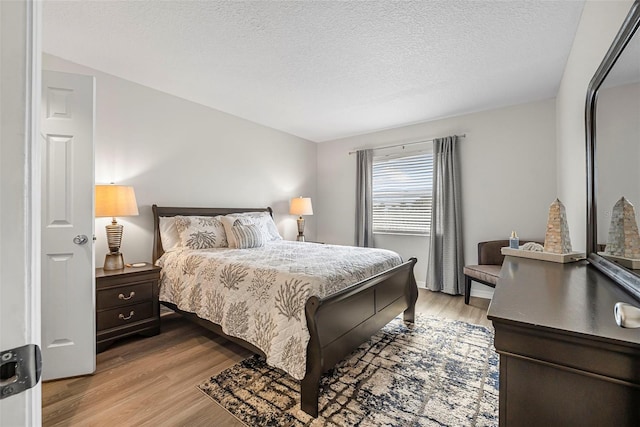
{"points": [[68, 274], [19, 204]]}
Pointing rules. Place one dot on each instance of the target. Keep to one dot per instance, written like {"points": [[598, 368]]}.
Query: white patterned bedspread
{"points": [[259, 294]]}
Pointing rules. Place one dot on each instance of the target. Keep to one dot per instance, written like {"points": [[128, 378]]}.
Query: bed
{"points": [[337, 322]]}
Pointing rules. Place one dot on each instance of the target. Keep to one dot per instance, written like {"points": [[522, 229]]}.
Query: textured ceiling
{"points": [[323, 69]]}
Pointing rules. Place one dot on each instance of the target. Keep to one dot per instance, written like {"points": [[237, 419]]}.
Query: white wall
{"points": [[598, 26], [508, 178], [618, 154], [179, 153]]}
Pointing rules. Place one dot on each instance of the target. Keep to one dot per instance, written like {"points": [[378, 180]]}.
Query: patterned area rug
{"points": [[432, 373]]}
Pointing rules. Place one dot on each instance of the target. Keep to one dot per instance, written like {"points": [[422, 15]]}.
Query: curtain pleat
{"points": [[364, 198], [446, 257]]}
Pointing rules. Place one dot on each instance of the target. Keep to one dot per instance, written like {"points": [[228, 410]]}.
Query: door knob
{"points": [[80, 239]]}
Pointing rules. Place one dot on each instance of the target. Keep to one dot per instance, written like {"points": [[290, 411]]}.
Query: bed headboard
{"points": [[159, 211]]}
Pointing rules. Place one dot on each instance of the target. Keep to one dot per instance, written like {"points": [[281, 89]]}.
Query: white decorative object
{"points": [[556, 239], [626, 315], [624, 240], [532, 246]]}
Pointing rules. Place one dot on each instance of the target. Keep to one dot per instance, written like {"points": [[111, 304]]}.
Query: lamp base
{"points": [[113, 261], [300, 237]]}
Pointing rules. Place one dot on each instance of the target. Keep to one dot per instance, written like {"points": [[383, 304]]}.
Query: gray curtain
{"points": [[446, 259], [364, 198]]}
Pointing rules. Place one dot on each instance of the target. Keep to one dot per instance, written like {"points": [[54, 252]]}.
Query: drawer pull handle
{"points": [[123, 317], [131, 295]]}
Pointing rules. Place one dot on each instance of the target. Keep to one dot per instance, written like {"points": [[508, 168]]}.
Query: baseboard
{"points": [[486, 293], [482, 293]]}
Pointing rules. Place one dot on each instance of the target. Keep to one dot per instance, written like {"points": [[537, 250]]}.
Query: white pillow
{"points": [[265, 223], [201, 232], [247, 236], [169, 233]]}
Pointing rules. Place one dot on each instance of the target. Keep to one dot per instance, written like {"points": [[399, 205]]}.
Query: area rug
{"points": [[432, 373]]}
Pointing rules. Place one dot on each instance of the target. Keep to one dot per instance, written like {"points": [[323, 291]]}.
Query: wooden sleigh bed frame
{"points": [[337, 324]]}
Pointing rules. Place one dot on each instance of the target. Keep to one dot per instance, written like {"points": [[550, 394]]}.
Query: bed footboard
{"points": [[338, 324]]}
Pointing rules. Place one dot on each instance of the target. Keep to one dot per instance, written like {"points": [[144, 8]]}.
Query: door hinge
{"points": [[20, 369]]}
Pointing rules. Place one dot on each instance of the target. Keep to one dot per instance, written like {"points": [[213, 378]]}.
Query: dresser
{"points": [[126, 303], [563, 359]]}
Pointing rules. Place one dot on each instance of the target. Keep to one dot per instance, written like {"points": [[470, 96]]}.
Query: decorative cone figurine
{"points": [[556, 239], [624, 240]]}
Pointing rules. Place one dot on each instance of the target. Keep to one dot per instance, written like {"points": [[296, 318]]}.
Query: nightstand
{"points": [[126, 303]]}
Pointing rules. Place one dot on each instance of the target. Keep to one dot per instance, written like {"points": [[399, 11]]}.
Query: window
{"points": [[402, 193]]}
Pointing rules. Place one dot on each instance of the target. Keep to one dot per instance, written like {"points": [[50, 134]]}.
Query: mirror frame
{"points": [[623, 277]]}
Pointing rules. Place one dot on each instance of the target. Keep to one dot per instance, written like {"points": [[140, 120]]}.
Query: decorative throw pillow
{"points": [[169, 235], [201, 232], [265, 223], [247, 236], [228, 222]]}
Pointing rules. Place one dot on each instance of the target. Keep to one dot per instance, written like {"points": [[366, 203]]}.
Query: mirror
{"points": [[613, 149]]}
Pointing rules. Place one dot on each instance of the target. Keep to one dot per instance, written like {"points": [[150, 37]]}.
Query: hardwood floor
{"points": [[152, 381]]}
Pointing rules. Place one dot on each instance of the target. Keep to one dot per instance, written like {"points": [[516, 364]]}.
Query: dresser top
{"points": [[574, 299]]}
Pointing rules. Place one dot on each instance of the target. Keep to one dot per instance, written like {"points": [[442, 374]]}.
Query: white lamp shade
{"points": [[301, 206], [115, 200]]}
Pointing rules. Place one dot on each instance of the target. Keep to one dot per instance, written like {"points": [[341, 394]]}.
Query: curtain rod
{"points": [[405, 144]]}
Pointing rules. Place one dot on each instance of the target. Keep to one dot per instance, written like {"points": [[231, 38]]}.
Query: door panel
{"points": [[68, 275]]}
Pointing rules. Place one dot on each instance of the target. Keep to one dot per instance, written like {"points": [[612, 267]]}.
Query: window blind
{"points": [[402, 196]]}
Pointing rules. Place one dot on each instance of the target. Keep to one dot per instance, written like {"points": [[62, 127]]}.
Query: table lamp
{"points": [[115, 200], [300, 206]]}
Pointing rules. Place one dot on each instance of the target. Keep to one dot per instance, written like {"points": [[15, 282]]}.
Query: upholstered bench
{"points": [[489, 264]]}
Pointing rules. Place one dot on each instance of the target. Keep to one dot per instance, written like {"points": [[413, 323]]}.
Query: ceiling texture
{"points": [[324, 70]]}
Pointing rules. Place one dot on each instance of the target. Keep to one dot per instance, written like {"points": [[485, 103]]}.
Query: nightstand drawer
{"points": [[126, 303], [117, 297], [124, 315]]}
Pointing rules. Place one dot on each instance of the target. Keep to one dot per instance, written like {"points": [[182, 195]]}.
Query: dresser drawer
{"points": [[124, 295], [124, 315]]}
